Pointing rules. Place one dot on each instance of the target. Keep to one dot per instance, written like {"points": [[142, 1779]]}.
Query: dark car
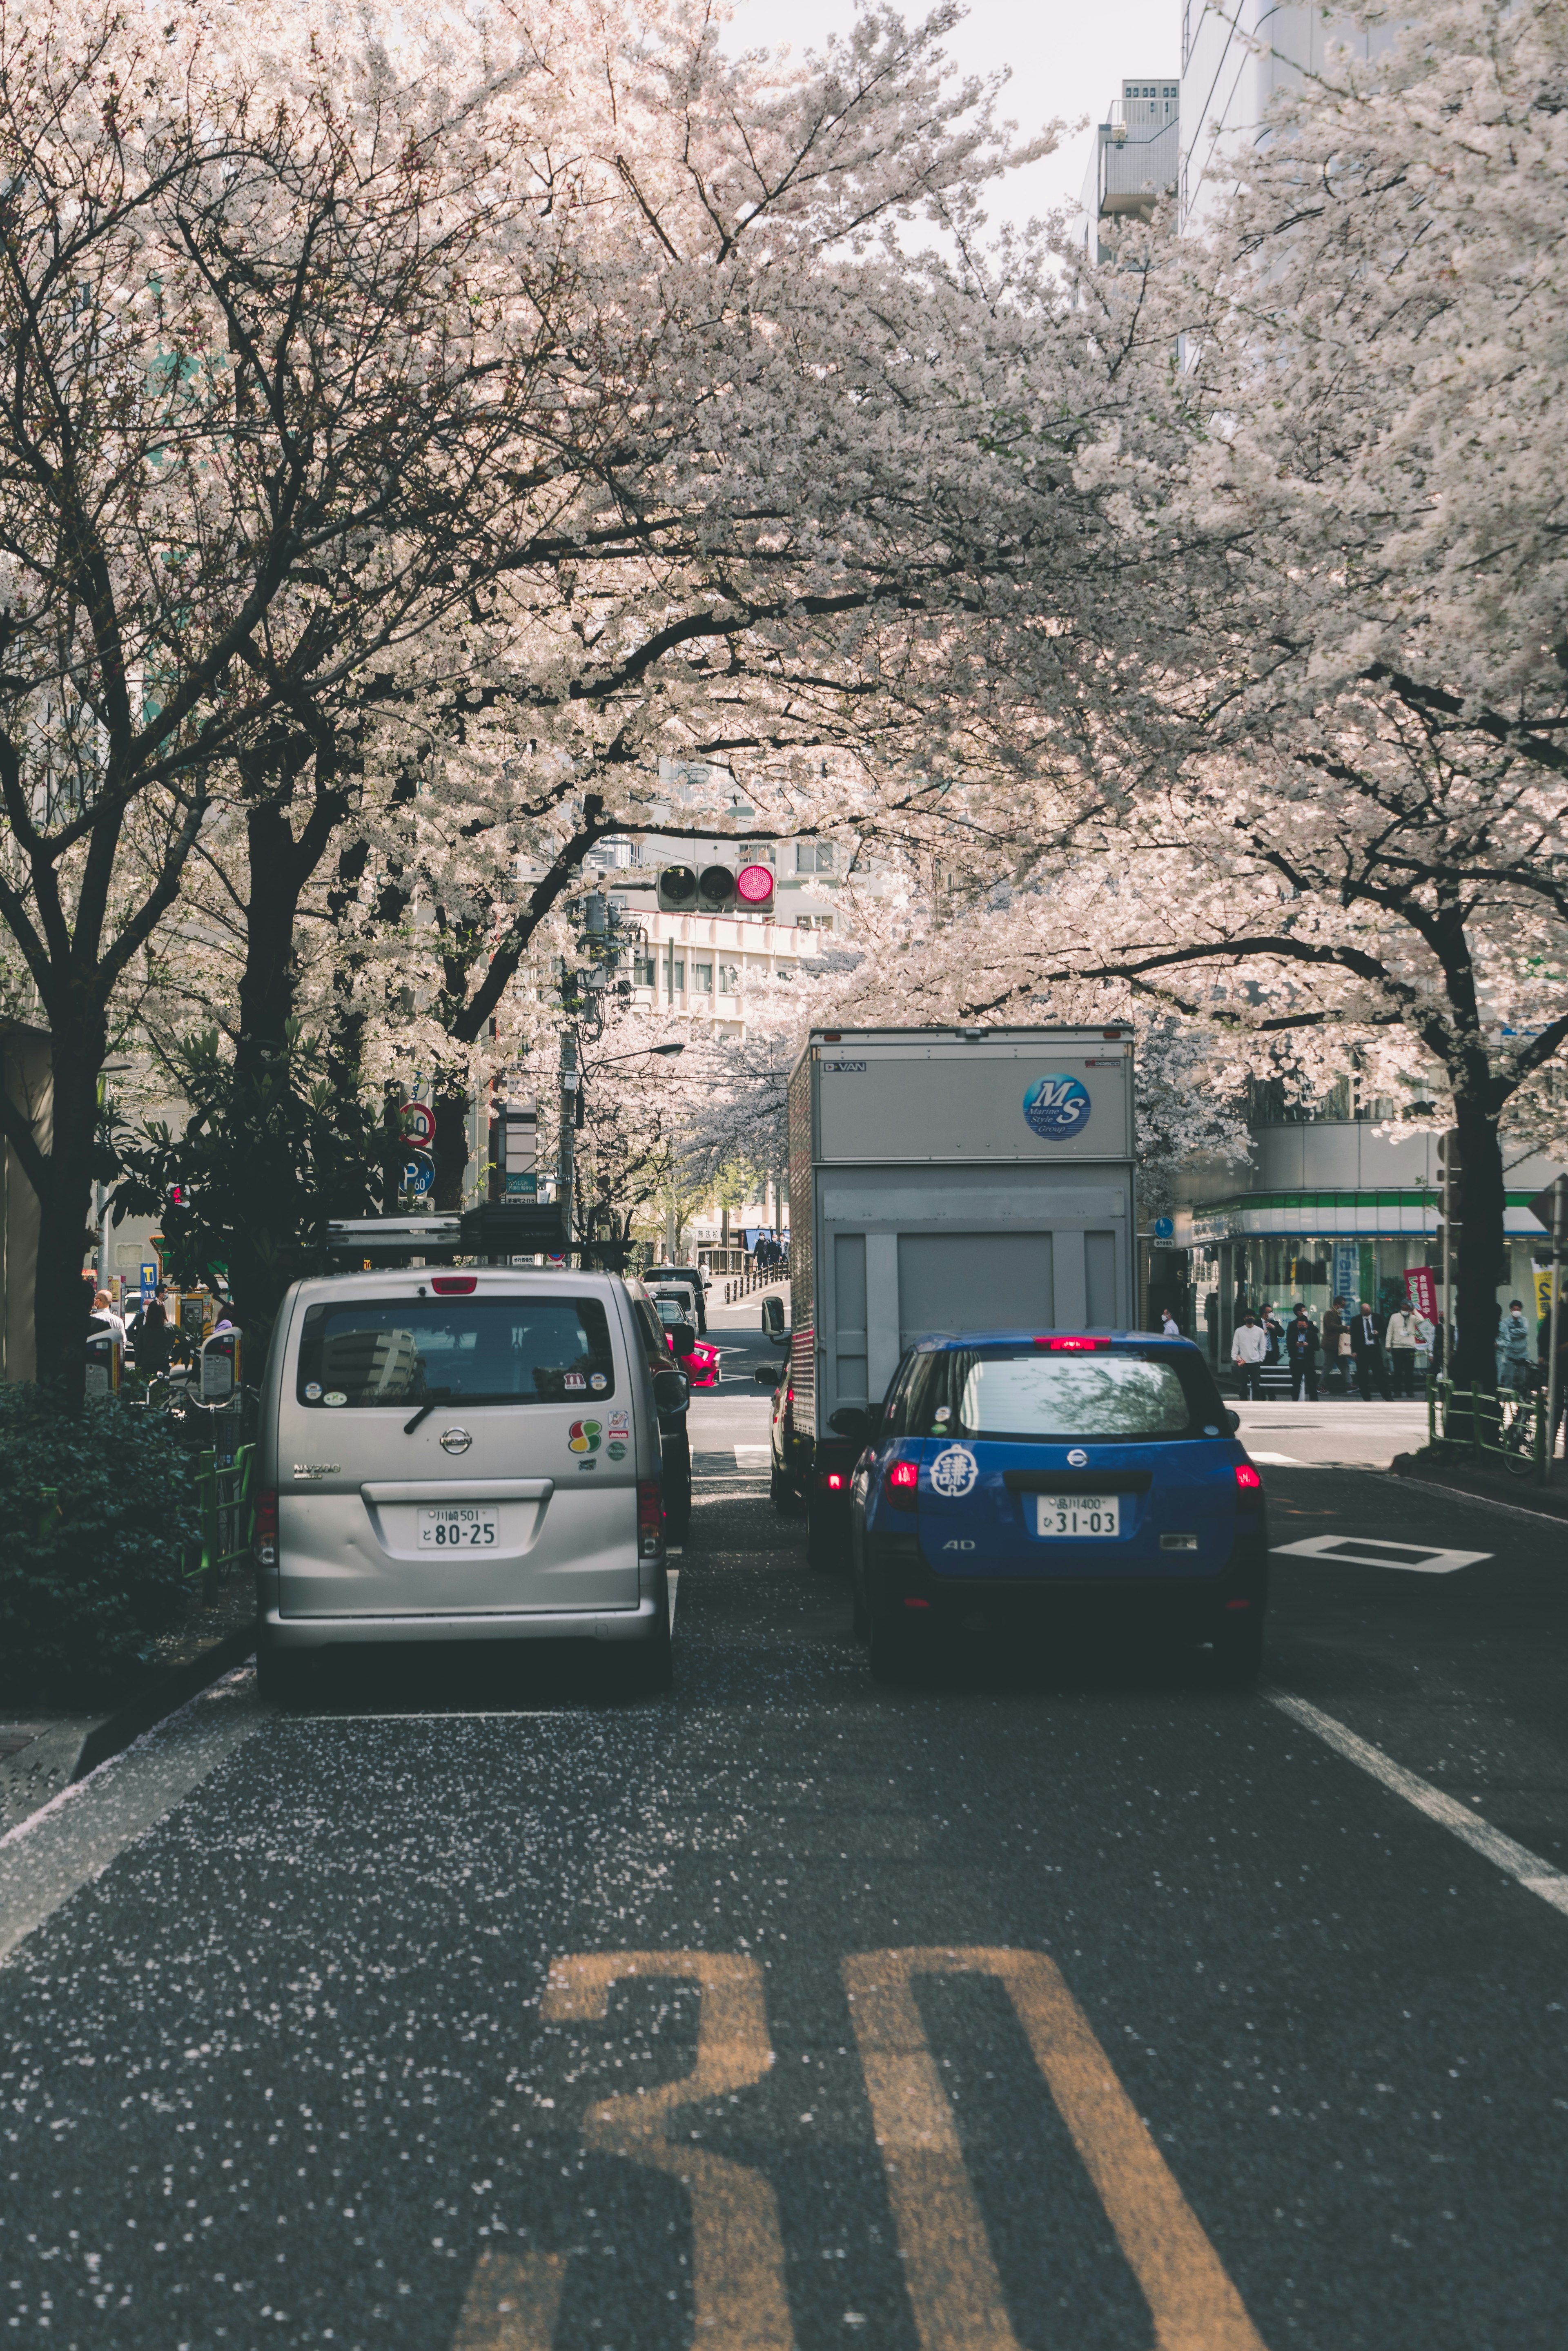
{"points": [[1013, 1481]]}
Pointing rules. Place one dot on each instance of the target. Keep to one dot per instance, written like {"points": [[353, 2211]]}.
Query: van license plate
{"points": [[1077, 1515], [460, 1526]]}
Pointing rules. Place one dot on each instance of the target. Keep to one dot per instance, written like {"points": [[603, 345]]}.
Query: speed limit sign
{"points": [[418, 1124]]}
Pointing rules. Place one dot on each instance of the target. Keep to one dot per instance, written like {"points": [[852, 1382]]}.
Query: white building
{"points": [[1235, 53], [1136, 157]]}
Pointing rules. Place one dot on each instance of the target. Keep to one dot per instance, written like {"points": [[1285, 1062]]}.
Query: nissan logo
{"points": [[458, 1440], [1077, 1458]]}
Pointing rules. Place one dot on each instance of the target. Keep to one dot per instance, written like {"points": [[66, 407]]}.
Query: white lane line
{"points": [[674, 1580], [751, 1456], [73, 1838], [1275, 1461], [1423, 1559], [1536, 1875]]}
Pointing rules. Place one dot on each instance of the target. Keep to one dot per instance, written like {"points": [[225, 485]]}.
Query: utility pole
{"points": [[566, 1163]]}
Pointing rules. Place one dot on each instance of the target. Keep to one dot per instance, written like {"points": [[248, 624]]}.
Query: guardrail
{"points": [[767, 1276], [1504, 1425], [227, 1513]]}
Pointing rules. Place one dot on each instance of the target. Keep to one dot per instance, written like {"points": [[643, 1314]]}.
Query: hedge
{"points": [[98, 1517]]}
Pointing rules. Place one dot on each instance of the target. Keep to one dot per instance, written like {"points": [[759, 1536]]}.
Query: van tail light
{"points": [[831, 1482], [902, 1485], [264, 1537], [649, 1517], [454, 1285]]}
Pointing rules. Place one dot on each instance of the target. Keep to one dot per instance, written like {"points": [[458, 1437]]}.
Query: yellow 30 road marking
{"points": [[951, 2275], [512, 2303], [738, 2253]]}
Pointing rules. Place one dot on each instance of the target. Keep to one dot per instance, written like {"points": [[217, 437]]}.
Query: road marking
{"points": [[512, 2303], [738, 2250], [752, 1456], [1530, 1869], [949, 2271], [72, 1839], [672, 1578], [1424, 1559], [1275, 1461]]}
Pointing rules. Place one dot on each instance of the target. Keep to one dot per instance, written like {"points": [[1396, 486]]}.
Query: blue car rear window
{"points": [[1022, 1392]]}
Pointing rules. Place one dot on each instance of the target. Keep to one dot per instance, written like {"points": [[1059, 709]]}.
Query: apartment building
{"points": [[1135, 162], [1235, 54]]}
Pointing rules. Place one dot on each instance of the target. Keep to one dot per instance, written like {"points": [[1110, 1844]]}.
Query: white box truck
{"points": [[943, 1180]]}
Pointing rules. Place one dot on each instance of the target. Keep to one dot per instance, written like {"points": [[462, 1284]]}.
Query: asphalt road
{"points": [[1064, 2003]]}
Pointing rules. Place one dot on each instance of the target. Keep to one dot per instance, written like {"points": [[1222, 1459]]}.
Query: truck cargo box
{"points": [[945, 1180]]}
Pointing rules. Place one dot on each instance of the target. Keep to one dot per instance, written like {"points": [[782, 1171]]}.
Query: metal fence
{"points": [[228, 1510], [1506, 1427]]}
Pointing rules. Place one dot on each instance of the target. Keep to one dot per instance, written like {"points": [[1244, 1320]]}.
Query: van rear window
{"points": [[401, 1352]]}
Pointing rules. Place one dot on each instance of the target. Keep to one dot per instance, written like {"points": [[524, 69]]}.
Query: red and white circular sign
{"points": [[418, 1123]]}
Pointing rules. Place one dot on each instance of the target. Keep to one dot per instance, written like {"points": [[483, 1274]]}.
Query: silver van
{"points": [[463, 1455]]}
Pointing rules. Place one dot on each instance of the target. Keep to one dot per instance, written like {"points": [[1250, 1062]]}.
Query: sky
{"points": [[1067, 58]]}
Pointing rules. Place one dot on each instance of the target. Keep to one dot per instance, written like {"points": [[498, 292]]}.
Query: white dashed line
{"points": [[1536, 1875]]}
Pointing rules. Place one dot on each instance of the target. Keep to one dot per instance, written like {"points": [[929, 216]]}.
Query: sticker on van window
{"points": [[573, 1380], [312, 1390], [597, 1380], [954, 1472], [583, 1437], [335, 1396]]}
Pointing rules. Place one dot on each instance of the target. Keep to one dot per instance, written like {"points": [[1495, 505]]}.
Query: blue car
{"points": [[1013, 1480]]}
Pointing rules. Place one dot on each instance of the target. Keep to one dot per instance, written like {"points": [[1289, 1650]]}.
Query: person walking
{"points": [[1247, 1349], [1401, 1339], [1334, 1328], [1367, 1349], [152, 1339], [1515, 1355], [1301, 1342]]}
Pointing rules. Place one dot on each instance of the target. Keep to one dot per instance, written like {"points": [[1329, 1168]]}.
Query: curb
{"points": [[161, 1696], [57, 1759], [1537, 1516]]}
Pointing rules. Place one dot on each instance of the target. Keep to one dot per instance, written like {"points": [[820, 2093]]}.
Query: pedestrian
{"points": [[1514, 1351], [152, 1341], [1273, 1333], [1401, 1339], [1367, 1349], [1334, 1331], [1437, 1345], [1301, 1342], [1169, 1327], [105, 1317], [1247, 1349]]}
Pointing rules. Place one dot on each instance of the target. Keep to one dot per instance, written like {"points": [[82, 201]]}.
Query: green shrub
{"points": [[97, 1511]]}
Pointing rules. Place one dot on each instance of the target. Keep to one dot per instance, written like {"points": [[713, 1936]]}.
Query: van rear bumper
{"points": [[279, 1632]]}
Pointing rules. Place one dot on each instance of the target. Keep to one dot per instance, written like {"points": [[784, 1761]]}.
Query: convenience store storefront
{"points": [[1281, 1249]]}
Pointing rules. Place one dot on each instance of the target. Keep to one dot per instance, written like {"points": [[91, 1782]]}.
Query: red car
{"points": [[696, 1358]]}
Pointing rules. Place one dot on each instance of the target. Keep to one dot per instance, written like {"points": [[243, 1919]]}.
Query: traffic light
{"points": [[715, 890], [1451, 1202]]}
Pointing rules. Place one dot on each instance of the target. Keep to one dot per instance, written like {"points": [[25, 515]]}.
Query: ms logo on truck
{"points": [[1057, 1108]]}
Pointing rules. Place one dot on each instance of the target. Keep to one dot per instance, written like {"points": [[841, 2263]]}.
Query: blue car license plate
{"points": [[1077, 1515]]}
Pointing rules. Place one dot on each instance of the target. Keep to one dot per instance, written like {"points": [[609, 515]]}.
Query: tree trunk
{"points": [[450, 1149], [267, 981], [65, 1207], [1480, 1255]]}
